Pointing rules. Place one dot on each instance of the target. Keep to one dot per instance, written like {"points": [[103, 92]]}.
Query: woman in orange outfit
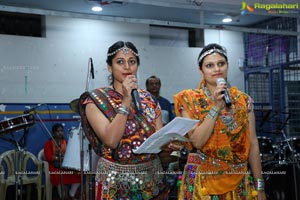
{"points": [[224, 142]]}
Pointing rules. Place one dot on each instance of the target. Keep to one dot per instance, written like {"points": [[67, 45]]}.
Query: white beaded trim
{"points": [[210, 51]]}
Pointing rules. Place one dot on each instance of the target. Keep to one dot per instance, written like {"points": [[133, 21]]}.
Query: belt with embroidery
{"points": [[134, 176]]}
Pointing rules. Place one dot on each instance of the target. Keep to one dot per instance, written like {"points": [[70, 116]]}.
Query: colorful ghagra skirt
{"points": [[207, 178], [141, 181]]}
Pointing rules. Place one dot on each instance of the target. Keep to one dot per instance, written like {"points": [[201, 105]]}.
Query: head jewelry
{"points": [[125, 50], [211, 51]]}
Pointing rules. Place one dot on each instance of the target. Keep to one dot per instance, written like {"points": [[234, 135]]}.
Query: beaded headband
{"points": [[125, 50], [210, 51]]}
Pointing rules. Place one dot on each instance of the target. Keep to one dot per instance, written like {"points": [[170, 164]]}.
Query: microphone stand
{"points": [[60, 153], [91, 195], [18, 157], [81, 162], [90, 74]]}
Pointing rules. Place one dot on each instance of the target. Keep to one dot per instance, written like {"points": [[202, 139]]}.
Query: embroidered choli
{"points": [[138, 127]]}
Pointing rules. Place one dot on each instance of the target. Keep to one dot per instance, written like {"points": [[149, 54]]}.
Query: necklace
{"points": [[207, 92], [228, 120]]}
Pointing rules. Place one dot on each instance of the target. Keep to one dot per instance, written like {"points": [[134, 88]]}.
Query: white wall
{"points": [[54, 69]]}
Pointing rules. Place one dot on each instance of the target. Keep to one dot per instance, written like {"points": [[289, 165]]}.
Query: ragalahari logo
{"points": [[271, 8], [246, 8]]}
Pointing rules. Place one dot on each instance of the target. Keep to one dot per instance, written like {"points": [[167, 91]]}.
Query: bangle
{"points": [[213, 113], [260, 184], [123, 110]]}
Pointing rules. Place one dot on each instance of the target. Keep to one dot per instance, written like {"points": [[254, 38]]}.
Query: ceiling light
{"points": [[227, 20], [97, 8]]}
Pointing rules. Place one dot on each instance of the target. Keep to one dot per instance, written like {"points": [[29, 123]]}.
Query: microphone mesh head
{"points": [[220, 80]]}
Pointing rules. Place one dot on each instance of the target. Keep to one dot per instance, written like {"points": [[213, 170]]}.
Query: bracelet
{"points": [[123, 110], [213, 113], [260, 184]]}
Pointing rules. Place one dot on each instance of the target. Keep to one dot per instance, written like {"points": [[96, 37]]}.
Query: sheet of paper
{"points": [[174, 130]]}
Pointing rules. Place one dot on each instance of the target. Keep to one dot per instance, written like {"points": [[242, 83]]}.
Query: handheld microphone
{"points": [[136, 100], [227, 98], [33, 108], [92, 69]]}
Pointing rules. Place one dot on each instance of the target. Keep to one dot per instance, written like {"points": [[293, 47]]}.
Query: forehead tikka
{"points": [[125, 50], [210, 51]]}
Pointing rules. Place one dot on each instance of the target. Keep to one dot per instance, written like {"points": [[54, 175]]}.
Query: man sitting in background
{"points": [[153, 85]]}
